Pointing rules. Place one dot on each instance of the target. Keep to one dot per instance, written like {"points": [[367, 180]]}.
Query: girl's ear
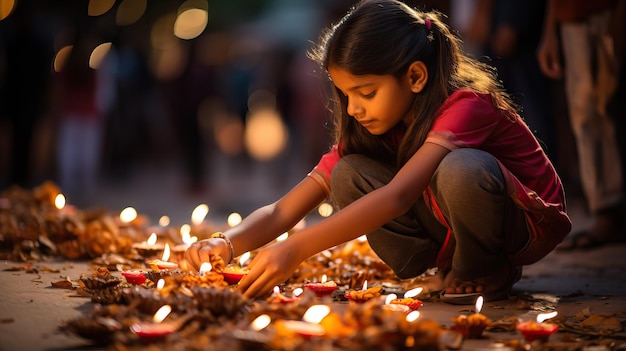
{"points": [[418, 76]]}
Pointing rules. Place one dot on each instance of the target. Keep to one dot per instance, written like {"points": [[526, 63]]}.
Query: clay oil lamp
{"points": [[472, 326], [233, 273], [323, 288], [408, 300], [365, 294], [538, 330], [149, 248], [309, 326], [178, 251], [136, 277], [163, 264], [157, 328], [278, 297]]}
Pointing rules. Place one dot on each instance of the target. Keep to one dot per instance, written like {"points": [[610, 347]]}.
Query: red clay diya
{"points": [[322, 289], [149, 330], [134, 277], [233, 274], [409, 302], [532, 330]]}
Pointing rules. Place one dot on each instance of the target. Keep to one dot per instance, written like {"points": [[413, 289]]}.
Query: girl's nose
{"points": [[354, 109]]}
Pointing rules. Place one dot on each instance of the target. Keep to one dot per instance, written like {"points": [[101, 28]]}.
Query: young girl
{"points": [[431, 161]]}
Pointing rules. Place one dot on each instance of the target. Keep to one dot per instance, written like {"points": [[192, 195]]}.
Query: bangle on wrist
{"points": [[231, 249]]}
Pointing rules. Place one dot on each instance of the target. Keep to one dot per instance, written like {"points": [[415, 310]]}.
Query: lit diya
{"points": [[408, 299], [135, 277], [163, 264], [364, 294], [309, 326], [538, 330], [472, 326], [157, 328], [234, 273], [323, 288], [278, 297], [150, 247]]}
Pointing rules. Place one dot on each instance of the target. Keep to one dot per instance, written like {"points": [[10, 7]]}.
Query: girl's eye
{"points": [[370, 95]]}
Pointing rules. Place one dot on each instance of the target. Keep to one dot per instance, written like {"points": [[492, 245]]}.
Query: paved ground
{"points": [[591, 282]]}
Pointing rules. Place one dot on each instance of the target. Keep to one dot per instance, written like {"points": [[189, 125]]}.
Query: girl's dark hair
{"points": [[383, 37]]}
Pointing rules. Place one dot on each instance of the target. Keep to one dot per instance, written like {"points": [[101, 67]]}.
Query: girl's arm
{"points": [[261, 226], [276, 263]]}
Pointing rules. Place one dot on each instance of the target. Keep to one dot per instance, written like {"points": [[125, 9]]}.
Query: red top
{"points": [[468, 119]]}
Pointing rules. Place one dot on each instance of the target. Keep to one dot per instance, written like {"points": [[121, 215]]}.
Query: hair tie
{"points": [[427, 22]]}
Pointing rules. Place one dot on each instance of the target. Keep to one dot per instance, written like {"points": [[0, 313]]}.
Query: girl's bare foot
{"points": [[493, 287]]}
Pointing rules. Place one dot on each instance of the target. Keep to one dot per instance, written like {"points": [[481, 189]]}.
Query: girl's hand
{"points": [[270, 267], [199, 252]]}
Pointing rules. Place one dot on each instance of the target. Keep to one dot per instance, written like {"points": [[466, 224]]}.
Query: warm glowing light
{"points": [[365, 285], [325, 210], [265, 134], [412, 316], [205, 268], [261, 322], [98, 54], [99, 7], [128, 215], [413, 292], [324, 278], [59, 201], [276, 289], [297, 292], [160, 284], [164, 221], [130, 11], [316, 313], [479, 304], [61, 57], [390, 298], [233, 219], [166, 253], [152, 239], [6, 7], [282, 237], [362, 238], [191, 23], [245, 257], [185, 235], [199, 213], [162, 313], [545, 316]]}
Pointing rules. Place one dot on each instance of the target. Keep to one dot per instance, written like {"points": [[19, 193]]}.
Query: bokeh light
{"points": [[99, 7], [6, 7], [130, 11]]}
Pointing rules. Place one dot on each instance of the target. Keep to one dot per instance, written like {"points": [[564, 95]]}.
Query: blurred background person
{"points": [[581, 30]]}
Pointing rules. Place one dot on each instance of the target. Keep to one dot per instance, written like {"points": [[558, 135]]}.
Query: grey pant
{"points": [[469, 188]]}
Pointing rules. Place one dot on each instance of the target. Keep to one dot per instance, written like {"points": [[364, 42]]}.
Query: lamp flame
{"points": [[390, 298], [199, 213], [316, 313], [59, 201], [544, 316], [412, 316], [479, 304], [245, 257], [166, 253], [152, 239], [162, 313], [205, 267], [413, 292], [261, 322]]}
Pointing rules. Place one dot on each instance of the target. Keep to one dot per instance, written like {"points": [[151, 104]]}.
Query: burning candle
{"points": [[538, 330], [472, 326], [323, 288], [157, 328], [234, 273]]}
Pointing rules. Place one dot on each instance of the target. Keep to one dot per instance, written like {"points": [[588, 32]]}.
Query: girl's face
{"points": [[378, 103]]}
